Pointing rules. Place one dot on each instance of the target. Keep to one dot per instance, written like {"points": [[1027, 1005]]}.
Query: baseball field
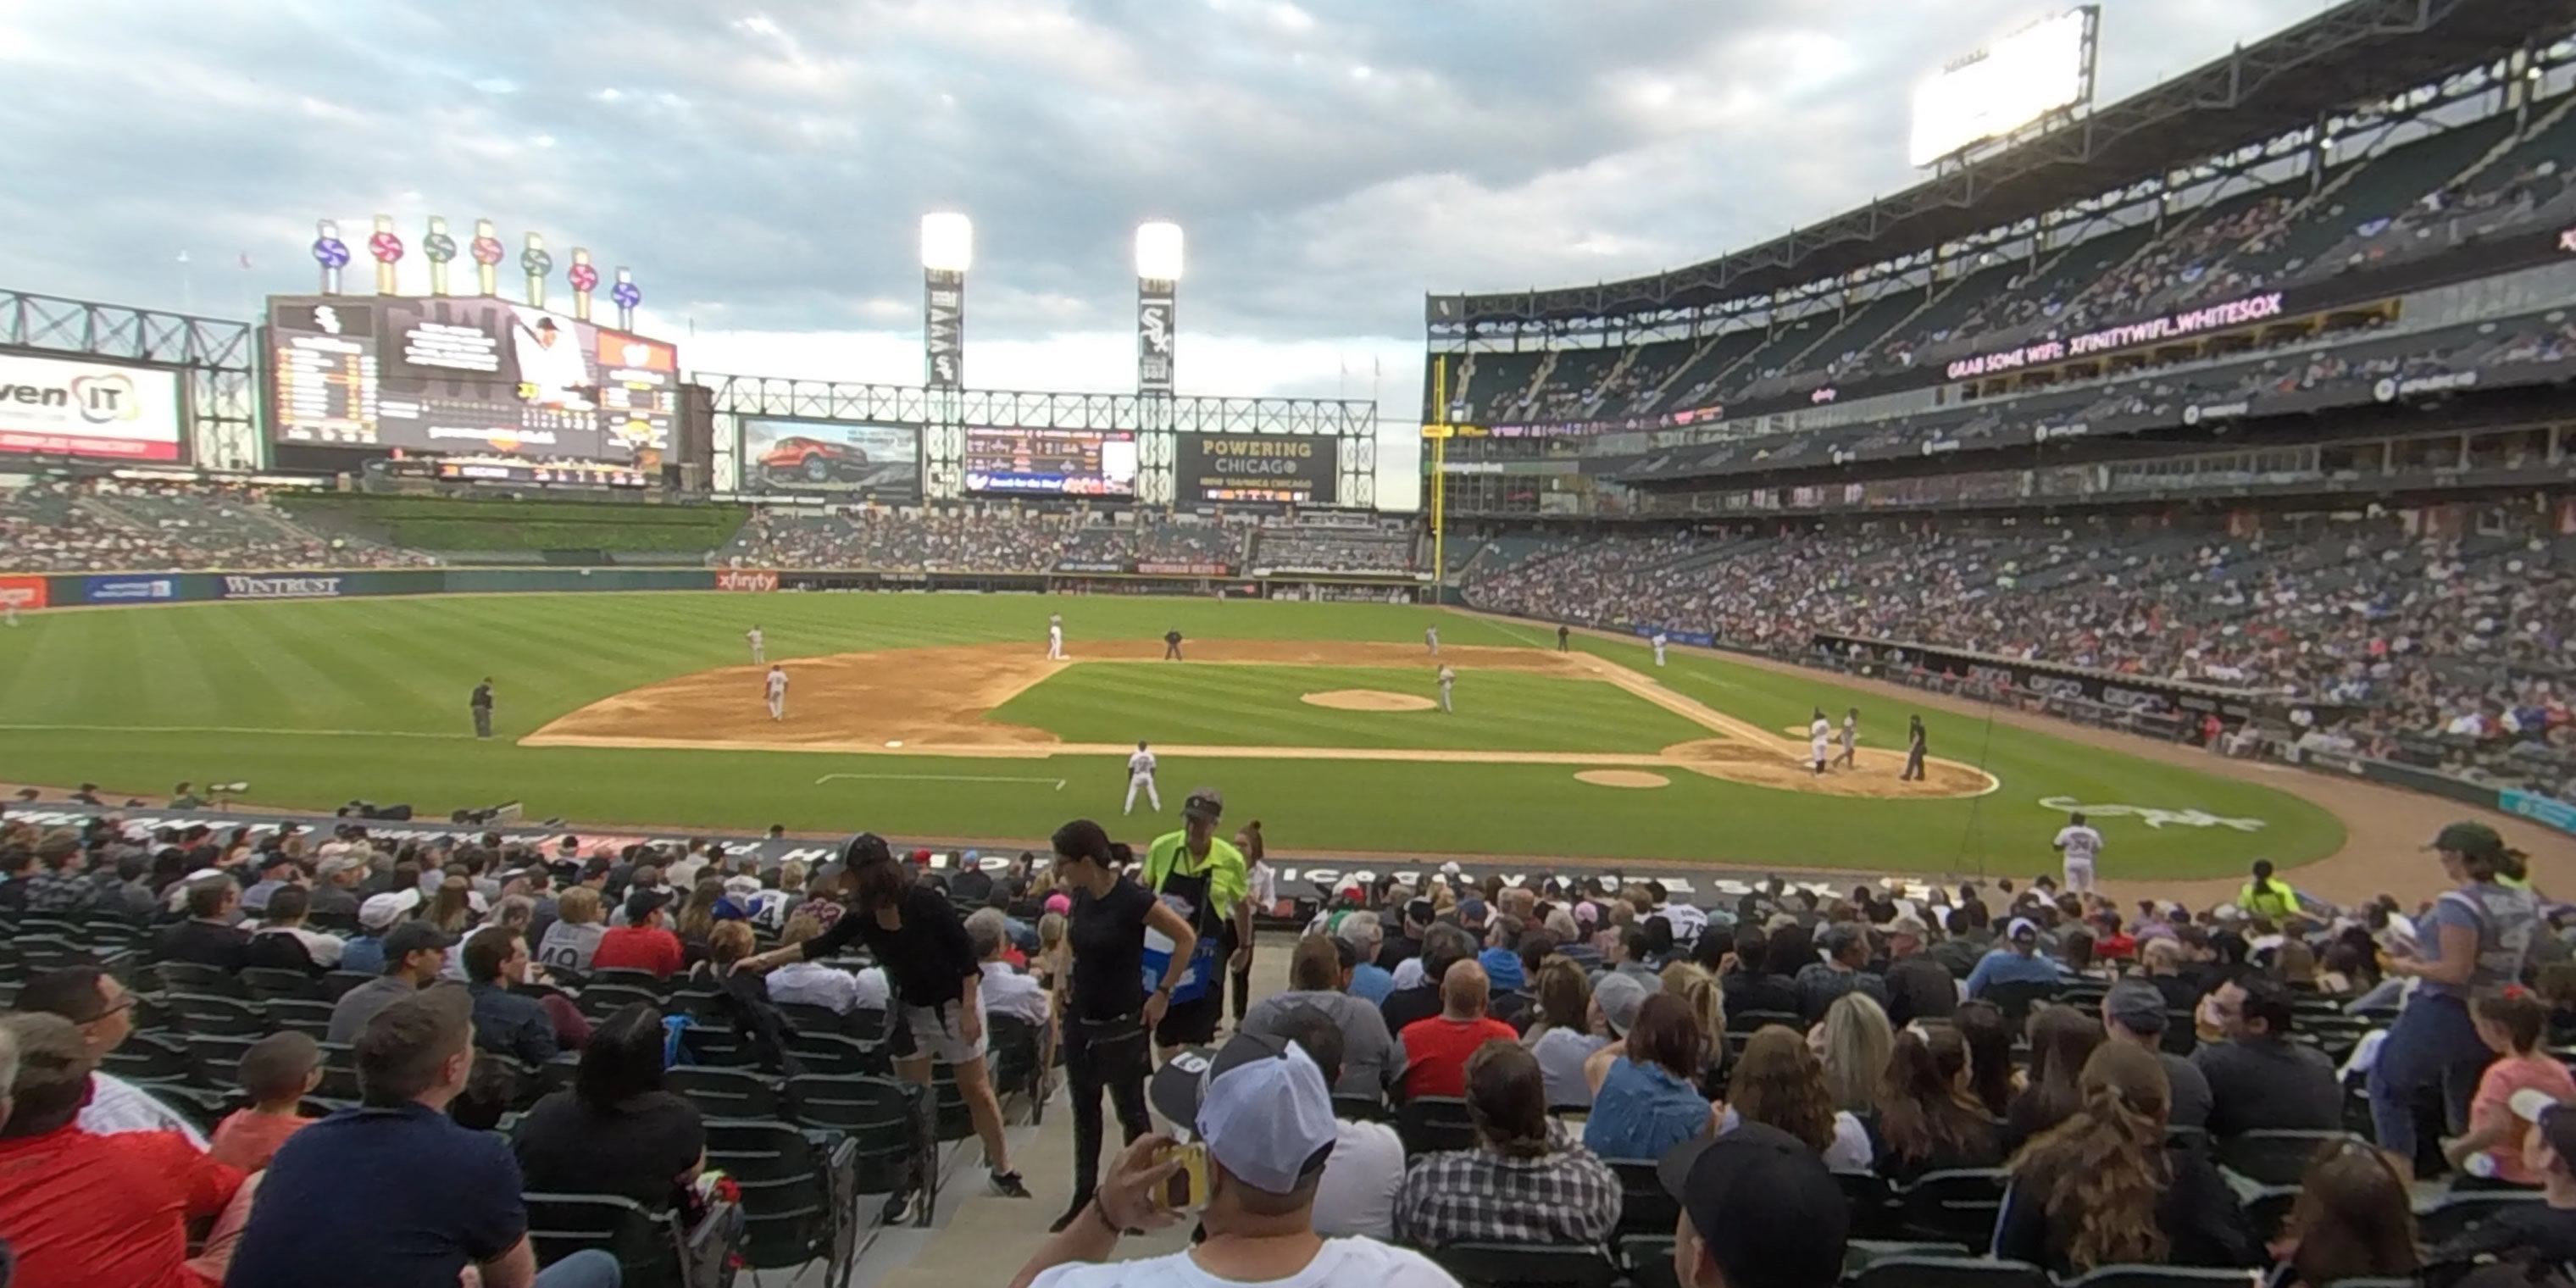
{"points": [[938, 717]]}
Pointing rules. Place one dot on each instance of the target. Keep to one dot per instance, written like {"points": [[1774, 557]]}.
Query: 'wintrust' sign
{"points": [[237, 587], [2253, 308]]}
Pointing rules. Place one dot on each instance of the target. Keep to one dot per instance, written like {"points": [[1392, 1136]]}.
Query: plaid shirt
{"points": [[1567, 1196], [58, 891]]}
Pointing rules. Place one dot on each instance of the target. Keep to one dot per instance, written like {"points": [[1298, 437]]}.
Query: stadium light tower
{"points": [[947, 251], [1158, 280]]}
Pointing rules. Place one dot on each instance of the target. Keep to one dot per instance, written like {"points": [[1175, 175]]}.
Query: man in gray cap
{"points": [[1261, 1109], [2134, 1011]]}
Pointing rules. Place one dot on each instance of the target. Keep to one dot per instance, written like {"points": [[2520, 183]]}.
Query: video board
{"points": [[76, 407], [2043, 68], [1280, 469], [1051, 462], [877, 462], [454, 375]]}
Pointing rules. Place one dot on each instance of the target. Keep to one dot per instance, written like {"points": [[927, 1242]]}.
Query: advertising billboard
{"points": [[877, 462], [75, 407], [1051, 462], [482, 376], [2043, 68], [1285, 469]]}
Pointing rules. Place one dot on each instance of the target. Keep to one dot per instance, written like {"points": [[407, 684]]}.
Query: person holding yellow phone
{"points": [[1260, 1109]]}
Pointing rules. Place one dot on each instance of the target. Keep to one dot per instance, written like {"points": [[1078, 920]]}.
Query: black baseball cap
{"points": [[865, 848], [1207, 803], [644, 903], [1764, 1205], [415, 937]]}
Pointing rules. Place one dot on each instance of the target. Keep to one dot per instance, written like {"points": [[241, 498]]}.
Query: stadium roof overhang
{"points": [[2351, 54]]}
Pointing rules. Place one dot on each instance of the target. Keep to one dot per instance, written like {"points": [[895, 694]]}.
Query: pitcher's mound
{"points": [[1622, 778], [1367, 700]]}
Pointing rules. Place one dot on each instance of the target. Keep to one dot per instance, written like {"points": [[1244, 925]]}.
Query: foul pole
{"points": [[1439, 429]]}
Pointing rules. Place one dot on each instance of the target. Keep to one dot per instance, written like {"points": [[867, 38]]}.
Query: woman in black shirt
{"points": [[1107, 1013], [930, 967], [616, 1131]]}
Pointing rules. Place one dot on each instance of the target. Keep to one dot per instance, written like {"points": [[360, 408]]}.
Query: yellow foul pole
{"points": [[1439, 479]]}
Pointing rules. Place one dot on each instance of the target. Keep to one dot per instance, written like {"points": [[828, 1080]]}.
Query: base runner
{"points": [[1055, 637], [2081, 845], [777, 689], [1820, 736], [1660, 641], [759, 645], [1140, 773]]}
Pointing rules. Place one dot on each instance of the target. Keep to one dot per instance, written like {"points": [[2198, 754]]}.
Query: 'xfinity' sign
{"points": [[237, 587]]}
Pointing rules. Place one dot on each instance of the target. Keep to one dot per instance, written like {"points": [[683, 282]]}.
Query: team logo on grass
{"points": [[2150, 815]]}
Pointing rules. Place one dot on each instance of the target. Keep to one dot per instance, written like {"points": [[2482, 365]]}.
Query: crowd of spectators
{"points": [[2093, 1065], [1367, 549], [102, 524], [2469, 637], [972, 539], [2423, 195]]}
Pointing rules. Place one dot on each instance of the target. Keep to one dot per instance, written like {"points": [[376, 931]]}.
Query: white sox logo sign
{"points": [[1155, 326]]}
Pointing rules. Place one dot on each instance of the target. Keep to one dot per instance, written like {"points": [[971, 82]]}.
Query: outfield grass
{"points": [[1264, 706], [316, 703]]}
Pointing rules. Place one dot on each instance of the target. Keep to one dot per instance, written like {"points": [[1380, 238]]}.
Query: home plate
{"points": [[894, 742]]}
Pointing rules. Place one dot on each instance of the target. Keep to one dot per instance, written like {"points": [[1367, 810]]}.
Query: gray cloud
{"points": [[763, 167]]}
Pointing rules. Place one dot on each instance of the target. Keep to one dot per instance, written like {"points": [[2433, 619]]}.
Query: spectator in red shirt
{"points": [[2110, 942], [102, 1211], [645, 942], [277, 1073], [1436, 1049]]}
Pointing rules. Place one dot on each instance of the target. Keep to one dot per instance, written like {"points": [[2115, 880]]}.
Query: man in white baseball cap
{"points": [[1262, 1109]]}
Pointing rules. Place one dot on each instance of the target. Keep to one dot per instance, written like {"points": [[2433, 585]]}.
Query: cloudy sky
{"points": [[763, 166]]}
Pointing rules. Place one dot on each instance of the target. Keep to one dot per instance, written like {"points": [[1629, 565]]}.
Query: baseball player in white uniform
{"points": [[2081, 845], [1140, 773], [1660, 641], [1055, 637], [759, 645], [1448, 677], [1431, 640], [777, 687], [1820, 736], [1851, 739]]}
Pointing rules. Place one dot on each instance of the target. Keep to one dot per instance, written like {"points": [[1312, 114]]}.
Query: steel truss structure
{"points": [[216, 358], [1156, 419]]}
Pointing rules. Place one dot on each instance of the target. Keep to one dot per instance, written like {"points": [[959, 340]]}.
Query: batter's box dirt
{"points": [[933, 702]]}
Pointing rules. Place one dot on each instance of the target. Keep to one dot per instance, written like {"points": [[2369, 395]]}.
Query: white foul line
{"points": [[938, 778]]}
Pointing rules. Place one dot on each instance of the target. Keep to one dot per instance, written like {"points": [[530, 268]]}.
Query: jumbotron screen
{"points": [[1056, 462], [1278, 469], [466, 376]]}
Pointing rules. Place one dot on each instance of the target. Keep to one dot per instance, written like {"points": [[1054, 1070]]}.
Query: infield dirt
{"points": [[936, 702]]}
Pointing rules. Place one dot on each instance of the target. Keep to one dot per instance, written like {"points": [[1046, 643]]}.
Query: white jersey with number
{"points": [[754, 636], [2079, 843], [778, 684], [1141, 765]]}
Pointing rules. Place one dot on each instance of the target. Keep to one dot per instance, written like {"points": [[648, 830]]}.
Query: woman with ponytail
{"points": [[1108, 1017], [2475, 941], [1928, 1116], [2106, 1188]]}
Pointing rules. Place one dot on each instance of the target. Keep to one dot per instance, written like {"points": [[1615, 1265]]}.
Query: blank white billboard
{"points": [[2043, 68]]}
